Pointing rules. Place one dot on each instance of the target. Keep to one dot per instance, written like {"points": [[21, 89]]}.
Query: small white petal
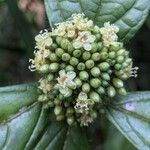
{"points": [[71, 75], [87, 46]]}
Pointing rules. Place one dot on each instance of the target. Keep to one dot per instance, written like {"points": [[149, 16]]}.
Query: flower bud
{"points": [[86, 55], [53, 46], [112, 55], [53, 57], [73, 61], [95, 71], [42, 98], [69, 111], [44, 68], [103, 55], [121, 52], [50, 104], [95, 82], [105, 76], [89, 64], [122, 91], [117, 83], [104, 83], [120, 59], [104, 66], [53, 67], [111, 91], [60, 117], [86, 87], [78, 82], [70, 120], [101, 90], [116, 46], [95, 97], [117, 66], [77, 53], [98, 36], [81, 66], [69, 68], [83, 75], [57, 110], [59, 39], [96, 56], [65, 57], [100, 46], [96, 29], [70, 48], [94, 47], [59, 52], [57, 101], [50, 77], [64, 43], [93, 114]]}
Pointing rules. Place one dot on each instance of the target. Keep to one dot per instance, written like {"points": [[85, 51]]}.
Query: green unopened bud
{"points": [[116, 46], [64, 44], [53, 67], [59, 52], [42, 98], [78, 82], [60, 117], [70, 120], [65, 57], [105, 76], [95, 97], [98, 36], [50, 77], [73, 61], [111, 91], [104, 66], [121, 52], [104, 55], [112, 55], [67, 93], [96, 56], [86, 55], [57, 101], [122, 91], [53, 46], [95, 82], [83, 75], [94, 47], [69, 111], [89, 64], [105, 83], [86, 87], [96, 29], [50, 104], [120, 59], [59, 39], [101, 90], [70, 48], [81, 66], [93, 114], [53, 57], [69, 68], [57, 110], [105, 49], [100, 46], [77, 53], [117, 83], [95, 71], [118, 66], [44, 68]]}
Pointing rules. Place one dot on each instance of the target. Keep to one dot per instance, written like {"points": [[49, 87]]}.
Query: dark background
{"points": [[21, 20]]}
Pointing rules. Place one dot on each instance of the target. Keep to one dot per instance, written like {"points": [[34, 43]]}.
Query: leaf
{"points": [[25, 125], [128, 15], [131, 115]]}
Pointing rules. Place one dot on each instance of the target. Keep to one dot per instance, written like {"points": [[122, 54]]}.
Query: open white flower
{"points": [[45, 86], [83, 104], [65, 80], [109, 33], [85, 39], [43, 40]]}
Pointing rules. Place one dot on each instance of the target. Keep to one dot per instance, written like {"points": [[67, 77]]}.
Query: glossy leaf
{"points": [[129, 15], [131, 115], [25, 125]]}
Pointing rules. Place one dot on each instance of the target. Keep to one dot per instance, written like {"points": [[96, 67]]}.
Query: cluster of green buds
{"points": [[81, 66]]}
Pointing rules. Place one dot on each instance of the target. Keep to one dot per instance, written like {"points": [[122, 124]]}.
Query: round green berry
{"points": [[65, 57], [104, 66], [77, 53], [83, 75], [86, 87], [96, 56], [53, 67], [89, 64], [73, 61], [95, 82], [69, 68], [95, 72], [81, 66], [86, 55], [59, 52]]}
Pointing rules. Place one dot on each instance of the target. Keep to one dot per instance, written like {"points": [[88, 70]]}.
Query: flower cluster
{"points": [[82, 66]]}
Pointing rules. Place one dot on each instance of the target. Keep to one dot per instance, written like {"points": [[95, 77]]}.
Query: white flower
{"points": [[85, 120], [109, 33], [85, 39], [43, 40], [45, 86], [83, 104], [65, 80]]}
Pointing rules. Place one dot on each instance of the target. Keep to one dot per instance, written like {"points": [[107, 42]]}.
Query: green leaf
{"points": [[129, 15], [25, 125], [131, 115]]}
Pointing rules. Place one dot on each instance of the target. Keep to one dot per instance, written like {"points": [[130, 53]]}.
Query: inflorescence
{"points": [[81, 65]]}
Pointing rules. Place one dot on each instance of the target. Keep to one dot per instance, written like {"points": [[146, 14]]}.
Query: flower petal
{"points": [[71, 75], [87, 46]]}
